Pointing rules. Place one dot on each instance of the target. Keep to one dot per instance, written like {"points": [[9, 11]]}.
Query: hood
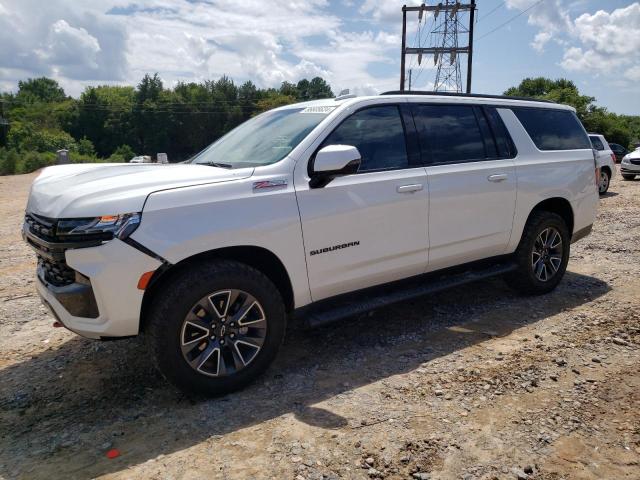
{"points": [[635, 154], [94, 189]]}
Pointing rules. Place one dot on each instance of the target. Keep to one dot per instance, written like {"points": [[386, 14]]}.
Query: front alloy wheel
{"points": [[546, 256], [223, 333]]}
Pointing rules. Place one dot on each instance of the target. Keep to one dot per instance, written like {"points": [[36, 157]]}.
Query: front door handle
{"points": [[497, 177], [409, 188]]}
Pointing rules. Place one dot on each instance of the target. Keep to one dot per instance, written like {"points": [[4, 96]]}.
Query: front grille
{"points": [[635, 161], [56, 273], [41, 234]]}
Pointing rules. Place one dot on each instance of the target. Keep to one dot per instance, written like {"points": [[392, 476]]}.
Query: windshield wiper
{"points": [[217, 164]]}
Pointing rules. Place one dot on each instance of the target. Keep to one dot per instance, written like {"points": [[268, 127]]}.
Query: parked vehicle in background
{"points": [[605, 159], [141, 159], [321, 211], [162, 158], [619, 151], [630, 166]]}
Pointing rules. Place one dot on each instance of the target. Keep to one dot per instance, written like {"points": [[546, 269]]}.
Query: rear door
{"points": [[472, 182]]}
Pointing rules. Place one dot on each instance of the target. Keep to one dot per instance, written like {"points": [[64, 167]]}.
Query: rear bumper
{"points": [[109, 303]]}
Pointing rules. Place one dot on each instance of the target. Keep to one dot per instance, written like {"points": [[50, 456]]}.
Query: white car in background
{"points": [[141, 159], [630, 166], [606, 161]]}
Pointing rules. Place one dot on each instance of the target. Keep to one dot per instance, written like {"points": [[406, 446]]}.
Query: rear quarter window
{"points": [[553, 129]]}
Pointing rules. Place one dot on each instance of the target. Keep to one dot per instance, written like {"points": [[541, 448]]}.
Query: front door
{"points": [[369, 227]]}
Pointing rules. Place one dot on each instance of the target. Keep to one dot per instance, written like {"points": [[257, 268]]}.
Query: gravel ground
{"points": [[475, 383]]}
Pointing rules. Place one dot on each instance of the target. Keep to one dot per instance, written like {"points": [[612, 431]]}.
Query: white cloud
{"points": [[608, 43], [59, 39], [550, 16], [633, 73]]}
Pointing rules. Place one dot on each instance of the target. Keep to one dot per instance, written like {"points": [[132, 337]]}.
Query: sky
{"points": [[353, 44]]}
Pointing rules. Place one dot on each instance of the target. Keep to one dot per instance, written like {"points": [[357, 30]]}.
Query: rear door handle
{"points": [[409, 188], [497, 177]]}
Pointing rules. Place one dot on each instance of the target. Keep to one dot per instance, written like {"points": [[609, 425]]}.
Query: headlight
{"points": [[625, 159], [119, 226]]}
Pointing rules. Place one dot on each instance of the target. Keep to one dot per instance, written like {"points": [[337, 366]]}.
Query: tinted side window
{"points": [[597, 144], [378, 134], [450, 132], [553, 129]]}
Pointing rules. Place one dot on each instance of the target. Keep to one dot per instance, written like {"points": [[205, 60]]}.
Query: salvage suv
{"points": [[316, 211]]}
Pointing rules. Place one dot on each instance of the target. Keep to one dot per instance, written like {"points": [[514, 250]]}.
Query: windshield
{"points": [[263, 140]]}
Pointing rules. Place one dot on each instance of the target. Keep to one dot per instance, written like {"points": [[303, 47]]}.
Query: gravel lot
{"points": [[475, 383]]}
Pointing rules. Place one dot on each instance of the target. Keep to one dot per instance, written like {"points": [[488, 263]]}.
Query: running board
{"points": [[360, 302]]}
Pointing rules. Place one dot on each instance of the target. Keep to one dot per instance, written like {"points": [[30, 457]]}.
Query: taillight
{"points": [[597, 177], [613, 157]]}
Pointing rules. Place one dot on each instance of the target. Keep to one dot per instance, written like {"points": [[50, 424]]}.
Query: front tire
{"points": [[542, 255], [215, 327]]}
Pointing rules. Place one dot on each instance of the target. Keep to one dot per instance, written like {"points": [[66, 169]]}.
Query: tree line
{"points": [[114, 123]]}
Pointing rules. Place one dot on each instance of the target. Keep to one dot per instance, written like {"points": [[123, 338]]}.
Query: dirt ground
{"points": [[475, 383]]}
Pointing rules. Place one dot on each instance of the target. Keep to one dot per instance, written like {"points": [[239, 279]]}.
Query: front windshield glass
{"points": [[263, 140]]}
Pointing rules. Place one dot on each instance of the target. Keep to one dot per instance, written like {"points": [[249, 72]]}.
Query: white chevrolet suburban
{"points": [[317, 211]]}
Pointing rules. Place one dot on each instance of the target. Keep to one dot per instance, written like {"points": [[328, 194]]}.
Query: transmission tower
{"points": [[448, 78], [445, 46]]}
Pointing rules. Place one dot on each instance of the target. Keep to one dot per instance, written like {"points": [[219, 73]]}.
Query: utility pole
{"points": [[4, 124], [446, 52], [470, 54]]}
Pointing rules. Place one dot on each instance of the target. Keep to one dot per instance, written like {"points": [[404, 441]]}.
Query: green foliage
{"points": [[117, 123], [615, 128], [85, 147], [27, 137], [125, 151], [32, 161], [41, 89], [8, 161]]}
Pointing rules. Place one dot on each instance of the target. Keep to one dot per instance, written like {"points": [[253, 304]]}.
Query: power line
{"points": [[492, 11], [511, 19]]}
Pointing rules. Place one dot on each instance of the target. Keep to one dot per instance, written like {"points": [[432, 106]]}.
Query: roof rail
{"points": [[468, 95]]}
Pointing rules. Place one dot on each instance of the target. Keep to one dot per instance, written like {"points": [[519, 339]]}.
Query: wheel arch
{"points": [[606, 168], [259, 258], [558, 205]]}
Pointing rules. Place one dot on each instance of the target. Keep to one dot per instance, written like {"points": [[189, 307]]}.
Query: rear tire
{"points": [[628, 177], [215, 327], [605, 180], [542, 255]]}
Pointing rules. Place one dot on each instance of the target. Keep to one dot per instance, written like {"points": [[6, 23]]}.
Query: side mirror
{"points": [[333, 161]]}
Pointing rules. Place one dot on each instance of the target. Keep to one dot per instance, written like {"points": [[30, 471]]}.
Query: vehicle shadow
{"points": [[609, 194], [61, 410]]}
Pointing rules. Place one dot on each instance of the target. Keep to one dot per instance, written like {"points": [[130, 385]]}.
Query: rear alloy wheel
{"points": [[546, 256], [603, 185], [542, 255]]}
